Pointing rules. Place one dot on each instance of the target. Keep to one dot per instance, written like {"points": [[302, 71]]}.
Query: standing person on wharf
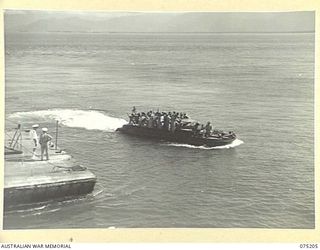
{"points": [[34, 138], [44, 139]]}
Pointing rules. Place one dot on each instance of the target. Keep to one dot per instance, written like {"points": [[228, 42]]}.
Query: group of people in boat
{"points": [[170, 121]]}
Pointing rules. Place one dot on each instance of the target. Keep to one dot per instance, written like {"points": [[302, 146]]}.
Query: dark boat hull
{"points": [[179, 136]]}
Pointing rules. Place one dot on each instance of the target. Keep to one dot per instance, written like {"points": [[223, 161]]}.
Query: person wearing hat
{"points": [[44, 139], [34, 138]]}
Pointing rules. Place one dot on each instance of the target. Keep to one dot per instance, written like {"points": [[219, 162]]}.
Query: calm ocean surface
{"points": [[259, 85]]}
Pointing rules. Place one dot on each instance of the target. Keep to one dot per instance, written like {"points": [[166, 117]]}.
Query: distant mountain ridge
{"points": [[45, 21]]}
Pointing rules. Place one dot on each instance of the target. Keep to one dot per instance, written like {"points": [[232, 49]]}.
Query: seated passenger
{"points": [[130, 119], [208, 129], [136, 119], [195, 128], [150, 122], [172, 124], [166, 122], [158, 121], [202, 130]]}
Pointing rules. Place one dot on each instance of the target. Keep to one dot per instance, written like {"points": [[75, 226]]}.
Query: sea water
{"points": [[261, 86]]}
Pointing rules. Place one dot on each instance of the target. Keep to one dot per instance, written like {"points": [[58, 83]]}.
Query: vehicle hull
{"points": [[185, 136]]}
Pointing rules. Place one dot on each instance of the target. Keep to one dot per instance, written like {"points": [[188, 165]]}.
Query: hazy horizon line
{"points": [[164, 32]]}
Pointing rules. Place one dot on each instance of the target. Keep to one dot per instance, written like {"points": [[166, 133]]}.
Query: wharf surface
{"points": [[28, 180]]}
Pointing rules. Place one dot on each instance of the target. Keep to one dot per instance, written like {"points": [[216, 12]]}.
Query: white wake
{"points": [[88, 119], [235, 143]]}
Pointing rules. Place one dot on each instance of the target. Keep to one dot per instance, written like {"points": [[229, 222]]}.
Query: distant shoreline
{"points": [[127, 32]]}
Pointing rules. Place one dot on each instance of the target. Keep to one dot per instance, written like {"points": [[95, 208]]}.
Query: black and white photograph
{"points": [[118, 119]]}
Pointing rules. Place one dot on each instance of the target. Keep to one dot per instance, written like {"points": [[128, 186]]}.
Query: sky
{"points": [[81, 21]]}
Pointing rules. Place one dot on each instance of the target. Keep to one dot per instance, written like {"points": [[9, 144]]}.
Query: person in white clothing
{"points": [[34, 138]]}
